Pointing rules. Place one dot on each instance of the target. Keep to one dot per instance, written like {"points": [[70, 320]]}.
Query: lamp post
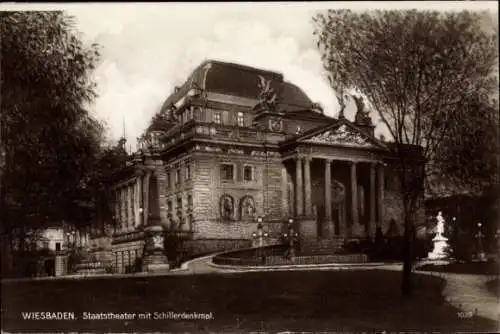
{"points": [[479, 237], [290, 235], [141, 212], [259, 237]]}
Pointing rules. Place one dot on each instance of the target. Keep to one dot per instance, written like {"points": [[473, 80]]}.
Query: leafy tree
{"points": [[418, 69], [49, 139]]}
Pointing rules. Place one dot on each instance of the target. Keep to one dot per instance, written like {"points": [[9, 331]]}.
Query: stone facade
{"points": [[222, 152]]}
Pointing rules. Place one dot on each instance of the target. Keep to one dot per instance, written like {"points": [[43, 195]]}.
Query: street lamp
{"points": [[479, 236]]}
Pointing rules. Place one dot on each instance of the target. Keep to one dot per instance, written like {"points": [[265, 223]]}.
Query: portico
{"points": [[337, 184]]}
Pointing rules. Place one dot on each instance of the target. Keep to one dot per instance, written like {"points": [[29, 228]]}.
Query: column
{"points": [[284, 192], [138, 199], [354, 194], [328, 198], [373, 219], [125, 207], [123, 222], [145, 211], [130, 202], [298, 188], [381, 184], [307, 186], [116, 208]]}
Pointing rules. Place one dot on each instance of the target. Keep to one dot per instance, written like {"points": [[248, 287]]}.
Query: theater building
{"points": [[234, 143]]}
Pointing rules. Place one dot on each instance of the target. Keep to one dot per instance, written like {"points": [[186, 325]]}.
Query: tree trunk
{"points": [[406, 283]]}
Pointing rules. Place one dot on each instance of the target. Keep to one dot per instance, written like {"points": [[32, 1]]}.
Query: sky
{"points": [[147, 49]]}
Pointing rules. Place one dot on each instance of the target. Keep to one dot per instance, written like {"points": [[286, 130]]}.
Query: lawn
{"points": [[307, 300], [493, 287], [478, 268]]}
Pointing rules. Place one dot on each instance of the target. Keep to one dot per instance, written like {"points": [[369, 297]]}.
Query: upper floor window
{"points": [[187, 175], [190, 200], [217, 117], [227, 172], [177, 175], [169, 206], [168, 180], [241, 119], [248, 173]]}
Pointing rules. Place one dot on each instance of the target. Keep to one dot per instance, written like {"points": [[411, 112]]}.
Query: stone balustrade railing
{"points": [[217, 131]]}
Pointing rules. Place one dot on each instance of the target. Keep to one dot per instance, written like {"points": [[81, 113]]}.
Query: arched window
{"points": [[247, 208], [226, 207]]}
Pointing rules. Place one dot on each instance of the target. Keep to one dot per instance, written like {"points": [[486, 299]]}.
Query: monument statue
{"points": [[267, 95], [362, 116], [226, 207], [440, 241], [360, 104]]}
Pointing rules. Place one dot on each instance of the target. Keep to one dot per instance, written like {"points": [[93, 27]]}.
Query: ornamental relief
{"points": [[342, 135]]}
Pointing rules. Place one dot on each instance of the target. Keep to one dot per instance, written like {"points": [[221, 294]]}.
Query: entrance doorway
{"points": [[337, 208]]}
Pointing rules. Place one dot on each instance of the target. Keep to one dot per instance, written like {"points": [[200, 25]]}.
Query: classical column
{"points": [[138, 199], [373, 218], [116, 208], [354, 194], [328, 198], [284, 192], [299, 204], [381, 184], [307, 186], [130, 202], [123, 209], [145, 211]]}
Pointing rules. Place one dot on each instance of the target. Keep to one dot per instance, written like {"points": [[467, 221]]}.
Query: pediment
{"points": [[342, 135]]}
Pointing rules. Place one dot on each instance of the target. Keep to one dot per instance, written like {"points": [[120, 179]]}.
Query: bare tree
{"points": [[417, 69]]}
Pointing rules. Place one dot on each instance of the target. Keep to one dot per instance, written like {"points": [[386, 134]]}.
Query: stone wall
{"points": [[208, 188], [216, 229], [205, 246]]}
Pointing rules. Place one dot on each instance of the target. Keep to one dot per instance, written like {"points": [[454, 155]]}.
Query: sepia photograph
{"points": [[242, 167]]}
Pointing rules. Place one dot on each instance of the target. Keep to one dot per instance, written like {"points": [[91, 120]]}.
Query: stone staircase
{"points": [[321, 246]]}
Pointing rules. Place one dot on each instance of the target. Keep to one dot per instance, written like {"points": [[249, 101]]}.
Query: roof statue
{"points": [[267, 95], [342, 98], [362, 116]]}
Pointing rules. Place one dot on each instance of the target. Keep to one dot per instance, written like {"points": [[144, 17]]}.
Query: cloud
{"points": [[148, 49]]}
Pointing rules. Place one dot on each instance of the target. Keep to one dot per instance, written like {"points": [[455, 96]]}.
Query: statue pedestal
{"points": [[155, 262], [154, 259], [440, 245]]}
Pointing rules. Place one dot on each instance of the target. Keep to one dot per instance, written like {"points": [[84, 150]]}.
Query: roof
{"points": [[240, 80]]}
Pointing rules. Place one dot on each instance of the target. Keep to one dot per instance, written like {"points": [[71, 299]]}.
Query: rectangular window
{"points": [[187, 175], [241, 119], [190, 200], [227, 172], [217, 117], [168, 180], [248, 173]]}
